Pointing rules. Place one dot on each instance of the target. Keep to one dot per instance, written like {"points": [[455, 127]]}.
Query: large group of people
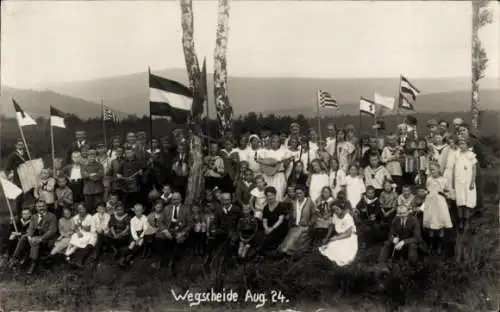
{"points": [[265, 195]]}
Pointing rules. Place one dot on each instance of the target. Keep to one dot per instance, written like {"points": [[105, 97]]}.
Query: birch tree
{"points": [[481, 16]]}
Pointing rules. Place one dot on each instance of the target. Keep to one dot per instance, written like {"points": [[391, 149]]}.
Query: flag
{"points": [[201, 96], [108, 114], [56, 118], [405, 103], [385, 101], [23, 119], [10, 190], [326, 100], [408, 89], [366, 106], [169, 98]]}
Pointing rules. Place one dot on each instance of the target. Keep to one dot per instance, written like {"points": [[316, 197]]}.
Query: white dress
{"points": [[336, 180], [260, 201], [344, 151], [355, 188], [436, 211], [278, 180], [88, 237], [464, 162], [448, 172], [318, 182], [342, 251]]}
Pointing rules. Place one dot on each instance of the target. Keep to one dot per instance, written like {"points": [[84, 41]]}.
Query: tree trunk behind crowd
{"points": [[222, 105], [195, 180], [480, 17]]}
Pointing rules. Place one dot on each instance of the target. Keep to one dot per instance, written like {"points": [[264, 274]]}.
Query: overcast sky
{"points": [[57, 41]]}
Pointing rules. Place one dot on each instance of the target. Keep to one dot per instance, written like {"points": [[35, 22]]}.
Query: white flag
{"points": [[385, 101], [10, 190], [366, 106], [22, 117]]}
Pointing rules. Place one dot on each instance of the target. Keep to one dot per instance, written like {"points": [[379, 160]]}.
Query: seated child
{"points": [[66, 228], [248, 227], [112, 203], [15, 232], [406, 198], [369, 205], [64, 196], [388, 203]]}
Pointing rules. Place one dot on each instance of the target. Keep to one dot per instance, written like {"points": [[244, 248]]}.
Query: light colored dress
{"points": [[342, 251], [278, 180], [436, 211], [260, 201], [336, 180], [344, 152], [448, 172], [66, 227], [88, 237], [355, 188], [464, 163], [392, 166], [318, 182]]}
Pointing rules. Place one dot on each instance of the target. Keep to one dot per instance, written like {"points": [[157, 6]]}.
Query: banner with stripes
{"points": [[407, 94], [326, 100]]}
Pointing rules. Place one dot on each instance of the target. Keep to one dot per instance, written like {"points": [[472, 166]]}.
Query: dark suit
{"points": [[225, 236], [75, 185], [242, 193], [409, 233], [182, 224], [74, 147], [46, 228]]}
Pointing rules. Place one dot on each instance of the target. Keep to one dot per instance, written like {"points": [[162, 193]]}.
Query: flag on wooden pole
{"points": [[57, 118], [23, 119], [407, 91], [385, 101], [108, 114], [325, 99], [169, 98]]}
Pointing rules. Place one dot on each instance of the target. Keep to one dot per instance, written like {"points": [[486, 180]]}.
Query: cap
{"points": [[432, 122]]}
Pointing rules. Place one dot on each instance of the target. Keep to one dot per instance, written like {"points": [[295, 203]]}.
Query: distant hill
{"points": [[284, 95], [37, 103]]}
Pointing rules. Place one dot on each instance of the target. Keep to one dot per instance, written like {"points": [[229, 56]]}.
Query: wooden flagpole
{"points": [[319, 118], [23, 137], [150, 115], [103, 119], [11, 213], [52, 143], [398, 102]]}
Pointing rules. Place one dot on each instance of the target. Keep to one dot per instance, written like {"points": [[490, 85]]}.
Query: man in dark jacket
{"points": [[78, 145], [41, 233], [404, 236]]}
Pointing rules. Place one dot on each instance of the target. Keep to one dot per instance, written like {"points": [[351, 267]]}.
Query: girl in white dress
{"points": [[464, 175], [436, 213], [336, 177], [450, 164], [258, 200], [354, 185], [317, 180], [342, 247], [83, 235], [345, 150]]}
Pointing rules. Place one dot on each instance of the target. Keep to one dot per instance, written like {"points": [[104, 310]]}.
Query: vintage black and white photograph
{"points": [[233, 155]]}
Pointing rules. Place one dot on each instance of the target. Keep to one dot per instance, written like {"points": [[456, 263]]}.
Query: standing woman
{"points": [[293, 151], [391, 157], [276, 158], [464, 182], [345, 150], [274, 221], [258, 200], [318, 179], [342, 247]]}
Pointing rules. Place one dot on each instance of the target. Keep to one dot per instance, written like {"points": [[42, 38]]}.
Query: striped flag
{"points": [[367, 106], [326, 100], [23, 119], [57, 118], [169, 98], [108, 114], [407, 93]]}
